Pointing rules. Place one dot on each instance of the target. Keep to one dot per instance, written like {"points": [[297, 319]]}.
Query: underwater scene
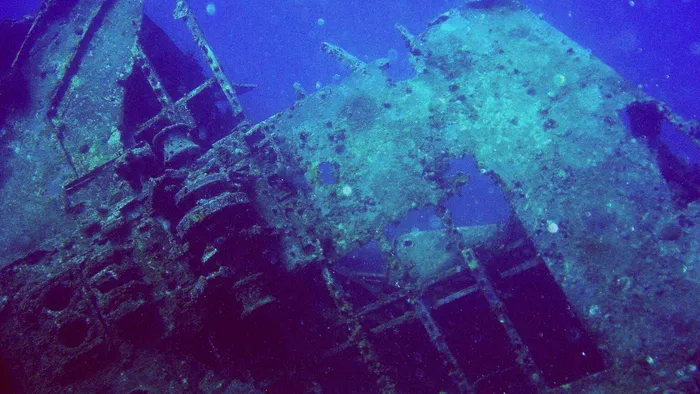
{"points": [[315, 196]]}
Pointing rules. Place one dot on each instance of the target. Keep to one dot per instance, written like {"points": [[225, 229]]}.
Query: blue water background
{"points": [[276, 43], [655, 43]]}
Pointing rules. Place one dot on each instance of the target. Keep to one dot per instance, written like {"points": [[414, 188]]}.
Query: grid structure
{"points": [[430, 318]]}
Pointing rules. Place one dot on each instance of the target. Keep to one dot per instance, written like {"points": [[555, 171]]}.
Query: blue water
{"points": [[273, 44], [655, 43]]}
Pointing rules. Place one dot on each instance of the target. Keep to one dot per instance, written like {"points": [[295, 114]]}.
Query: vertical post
{"points": [[438, 340], [523, 355], [358, 336], [183, 11]]}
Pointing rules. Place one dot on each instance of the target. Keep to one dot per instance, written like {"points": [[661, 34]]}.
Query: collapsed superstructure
{"points": [[156, 241]]}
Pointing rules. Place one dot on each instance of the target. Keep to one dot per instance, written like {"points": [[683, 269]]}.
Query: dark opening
{"points": [[346, 372], [9, 382], [475, 336], [73, 333], [58, 298], [558, 342], [412, 360], [677, 156]]}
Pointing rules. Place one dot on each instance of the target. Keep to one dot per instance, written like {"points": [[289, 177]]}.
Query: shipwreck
{"points": [[156, 240]]}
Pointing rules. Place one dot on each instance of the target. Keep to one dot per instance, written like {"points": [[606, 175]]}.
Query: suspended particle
{"points": [[695, 48], [211, 9]]}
